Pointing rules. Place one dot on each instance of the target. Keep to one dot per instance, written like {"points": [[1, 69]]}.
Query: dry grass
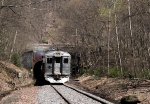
{"points": [[114, 88]]}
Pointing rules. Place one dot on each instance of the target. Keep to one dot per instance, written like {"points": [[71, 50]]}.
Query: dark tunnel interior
{"points": [[38, 74]]}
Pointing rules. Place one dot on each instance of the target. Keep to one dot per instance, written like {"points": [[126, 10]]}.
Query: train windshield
{"points": [[57, 59], [49, 60], [65, 60]]}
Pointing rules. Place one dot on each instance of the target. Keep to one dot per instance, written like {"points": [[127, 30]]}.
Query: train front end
{"points": [[57, 66]]}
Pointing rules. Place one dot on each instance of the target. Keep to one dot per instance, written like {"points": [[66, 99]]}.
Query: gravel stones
{"points": [[47, 95], [74, 97]]}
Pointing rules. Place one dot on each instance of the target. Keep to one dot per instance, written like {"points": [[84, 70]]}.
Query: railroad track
{"points": [[72, 95], [57, 94], [67, 101]]}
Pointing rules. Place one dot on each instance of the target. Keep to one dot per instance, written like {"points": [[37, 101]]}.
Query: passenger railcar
{"points": [[57, 66]]}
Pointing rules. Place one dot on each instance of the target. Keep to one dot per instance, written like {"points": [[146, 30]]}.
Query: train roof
{"points": [[57, 53]]}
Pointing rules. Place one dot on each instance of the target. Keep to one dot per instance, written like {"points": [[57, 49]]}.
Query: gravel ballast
{"points": [[74, 97], [47, 95]]}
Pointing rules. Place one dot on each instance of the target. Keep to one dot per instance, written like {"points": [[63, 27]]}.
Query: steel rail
{"points": [[103, 101], [60, 94]]}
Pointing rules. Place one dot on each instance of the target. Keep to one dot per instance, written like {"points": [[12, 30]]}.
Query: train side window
{"points": [[49, 60], [57, 59], [65, 60]]}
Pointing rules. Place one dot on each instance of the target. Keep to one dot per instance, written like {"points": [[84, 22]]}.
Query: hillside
{"points": [[12, 77]]}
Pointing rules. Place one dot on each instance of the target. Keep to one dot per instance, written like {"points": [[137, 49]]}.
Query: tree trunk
{"points": [[118, 43], [108, 48], [131, 34], [12, 49]]}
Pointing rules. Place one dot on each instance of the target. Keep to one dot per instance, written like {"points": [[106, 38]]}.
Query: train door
{"points": [[48, 65], [57, 65], [66, 65]]}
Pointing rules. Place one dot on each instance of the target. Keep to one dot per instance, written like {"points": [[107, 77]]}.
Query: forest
{"points": [[112, 37]]}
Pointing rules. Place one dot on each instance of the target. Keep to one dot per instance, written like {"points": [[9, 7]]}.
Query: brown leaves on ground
{"points": [[114, 88]]}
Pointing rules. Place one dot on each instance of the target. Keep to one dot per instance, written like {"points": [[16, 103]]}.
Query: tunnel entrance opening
{"points": [[38, 74], [75, 65]]}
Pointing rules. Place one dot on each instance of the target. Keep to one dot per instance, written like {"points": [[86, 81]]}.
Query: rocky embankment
{"points": [[12, 77]]}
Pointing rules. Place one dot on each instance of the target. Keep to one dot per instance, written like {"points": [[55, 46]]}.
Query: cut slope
{"points": [[12, 76]]}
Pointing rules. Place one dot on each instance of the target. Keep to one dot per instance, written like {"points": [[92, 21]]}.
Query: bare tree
{"points": [[117, 35]]}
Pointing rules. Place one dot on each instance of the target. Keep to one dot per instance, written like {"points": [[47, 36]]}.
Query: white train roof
{"points": [[57, 53]]}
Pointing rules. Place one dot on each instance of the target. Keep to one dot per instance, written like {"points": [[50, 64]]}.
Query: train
{"points": [[51, 66], [57, 66]]}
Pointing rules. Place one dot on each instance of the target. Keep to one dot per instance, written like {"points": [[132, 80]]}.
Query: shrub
{"points": [[15, 59], [114, 72], [90, 72], [98, 72], [83, 71], [146, 73], [87, 71]]}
